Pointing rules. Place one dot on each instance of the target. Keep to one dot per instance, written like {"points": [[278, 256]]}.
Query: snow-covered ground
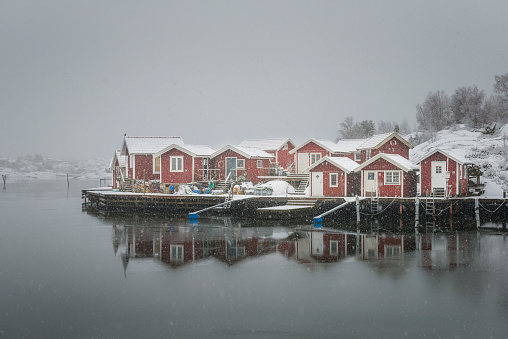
{"points": [[490, 152], [47, 168]]}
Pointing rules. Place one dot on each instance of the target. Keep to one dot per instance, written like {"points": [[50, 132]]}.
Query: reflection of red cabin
{"points": [[140, 151], [278, 147], [330, 247], [385, 246], [443, 172], [241, 161], [118, 167], [179, 164], [334, 177], [388, 175]]}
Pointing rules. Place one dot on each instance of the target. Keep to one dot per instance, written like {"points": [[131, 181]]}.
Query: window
{"points": [[392, 178], [240, 163], [334, 178], [439, 169], [176, 164], [368, 154], [286, 146], [358, 156], [370, 176], [157, 165], [260, 163], [392, 251], [314, 157], [176, 254], [334, 247]]}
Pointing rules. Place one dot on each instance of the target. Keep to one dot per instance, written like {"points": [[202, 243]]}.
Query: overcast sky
{"points": [[76, 75]]}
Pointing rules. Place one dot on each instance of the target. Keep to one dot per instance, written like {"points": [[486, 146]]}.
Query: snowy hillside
{"points": [[488, 151], [36, 166]]}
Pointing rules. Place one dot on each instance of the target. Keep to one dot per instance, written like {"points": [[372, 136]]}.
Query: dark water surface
{"points": [[65, 273]]}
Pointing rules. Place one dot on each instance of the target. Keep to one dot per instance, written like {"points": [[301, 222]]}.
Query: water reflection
{"points": [[177, 245]]}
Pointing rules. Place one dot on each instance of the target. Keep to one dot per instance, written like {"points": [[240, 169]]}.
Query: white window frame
{"points": [[177, 258], [358, 156], [174, 160], [316, 156], [440, 169], [368, 154], [392, 182], [238, 161], [154, 159], [336, 175], [260, 163]]}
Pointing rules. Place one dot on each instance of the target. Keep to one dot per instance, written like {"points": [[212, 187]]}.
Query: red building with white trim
{"points": [[140, 155], [388, 175], [180, 164], [247, 162], [280, 148], [334, 177], [443, 173]]}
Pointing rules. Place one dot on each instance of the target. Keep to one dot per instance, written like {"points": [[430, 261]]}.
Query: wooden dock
{"points": [[296, 207]]}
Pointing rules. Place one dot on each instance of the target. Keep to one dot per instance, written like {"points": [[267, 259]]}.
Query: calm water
{"points": [[66, 273]]}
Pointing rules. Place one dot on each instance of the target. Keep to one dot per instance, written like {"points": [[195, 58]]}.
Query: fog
{"points": [[75, 76]]}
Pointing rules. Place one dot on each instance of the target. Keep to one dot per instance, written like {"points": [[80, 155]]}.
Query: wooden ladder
{"points": [[374, 204]]}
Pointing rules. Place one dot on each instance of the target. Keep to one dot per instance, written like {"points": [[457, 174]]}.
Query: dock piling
{"points": [[477, 212], [417, 213], [357, 212]]}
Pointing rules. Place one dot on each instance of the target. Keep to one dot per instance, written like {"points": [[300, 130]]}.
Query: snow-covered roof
{"points": [[192, 150], [326, 144], [248, 152], [271, 144], [450, 154], [350, 145], [346, 164], [377, 140], [148, 145], [394, 159], [122, 160]]}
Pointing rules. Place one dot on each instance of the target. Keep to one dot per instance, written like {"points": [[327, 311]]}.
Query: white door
{"points": [[370, 183], [317, 184], [438, 179], [303, 162]]}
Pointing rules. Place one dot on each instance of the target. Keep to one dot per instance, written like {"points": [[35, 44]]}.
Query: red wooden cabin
{"points": [[334, 177], [443, 173], [280, 148], [312, 150], [118, 167], [140, 155], [390, 143], [388, 175], [247, 162], [180, 164]]}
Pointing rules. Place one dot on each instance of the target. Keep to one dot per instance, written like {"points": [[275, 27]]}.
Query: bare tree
{"points": [[385, 126], [434, 113], [501, 86], [348, 129]]}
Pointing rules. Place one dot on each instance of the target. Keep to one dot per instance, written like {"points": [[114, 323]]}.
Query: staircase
{"points": [[303, 179]]}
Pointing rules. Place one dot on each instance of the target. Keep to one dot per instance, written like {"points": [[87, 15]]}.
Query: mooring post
{"points": [[477, 211], [417, 213], [67, 179], [4, 177], [357, 212]]}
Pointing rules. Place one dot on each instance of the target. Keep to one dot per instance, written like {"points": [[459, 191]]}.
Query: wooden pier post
{"points": [[67, 180], [417, 213], [477, 212], [357, 212], [4, 178]]}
